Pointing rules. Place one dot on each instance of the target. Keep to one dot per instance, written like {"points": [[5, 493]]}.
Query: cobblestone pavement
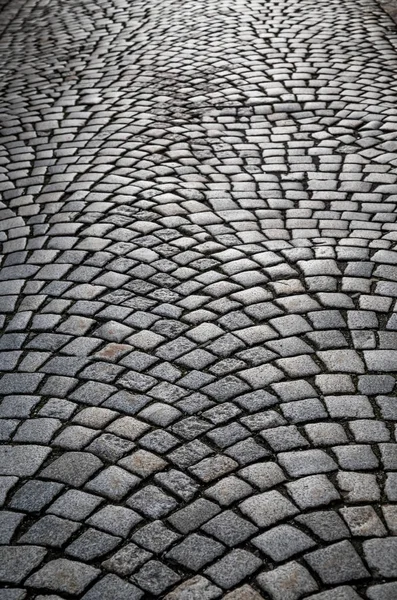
{"points": [[199, 293]]}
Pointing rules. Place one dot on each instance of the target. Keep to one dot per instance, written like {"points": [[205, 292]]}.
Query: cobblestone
{"points": [[198, 291], [289, 581], [64, 576], [337, 563]]}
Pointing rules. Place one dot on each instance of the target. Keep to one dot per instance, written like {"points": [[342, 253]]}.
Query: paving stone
{"points": [[268, 508], [284, 438], [263, 420], [383, 591], [349, 406], [227, 435], [18, 406], [304, 410], [73, 468], [327, 525], [159, 441], [22, 461], [155, 537], [358, 487], [111, 587], [196, 588], [326, 434], [282, 542], [312, 491], [245, 592], [50, 531], [376, 384], [306, 462], [113, 483], [342, 361], [229, 490], [363, 521], [18, 561], [198, 293], [117, 520], [143, 463], [380, 360], [195, 551], [294, 390], [225, 388], [355, 457], [63, 575], [192, 427], [229, 528], [21, 383], [127, 560], [9, 522], [343, 592], [192, 516], [380, 555], [211, 468], [6, 484], [288, 582], [337, 564], [389, 455], [35, 495], [233, 567], [13, 594], [155, 578], [367, 430], [152, 502], [92, 544], [263, 475], [178, 483], [110, 447], [74, 437]]}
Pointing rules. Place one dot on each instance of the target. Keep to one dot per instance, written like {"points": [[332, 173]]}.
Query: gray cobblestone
{"points": [[112, 586], [91, 545], [126, 560], [196, 588], [155, 578], [22, 460], [233, 567], [73, 468], [64, 576], [381, 556], [287, 582], [337, 563], [327, 525], [282, 542], [198, 300], [18, 561], [195, 551]]}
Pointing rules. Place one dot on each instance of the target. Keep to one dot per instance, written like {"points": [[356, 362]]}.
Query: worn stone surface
{"points": [[64, 575], [18, 561], [198, 287]]}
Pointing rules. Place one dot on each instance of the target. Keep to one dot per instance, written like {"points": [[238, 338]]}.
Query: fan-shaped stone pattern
{"points": [[198, 294]]}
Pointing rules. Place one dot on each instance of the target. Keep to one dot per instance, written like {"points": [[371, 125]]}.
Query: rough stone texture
{"points": [[111, 587], [338, 563], [22, 461], [289, 581], [18, 561], [196, 588], [64, 576], [381, 556], [198, 287]]}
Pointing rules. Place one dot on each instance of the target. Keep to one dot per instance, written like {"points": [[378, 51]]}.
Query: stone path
{"points": [[199, 291]]}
